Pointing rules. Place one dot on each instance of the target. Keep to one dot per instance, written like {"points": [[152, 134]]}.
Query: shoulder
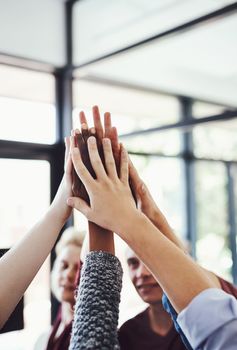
{"points": [[134, 322]]}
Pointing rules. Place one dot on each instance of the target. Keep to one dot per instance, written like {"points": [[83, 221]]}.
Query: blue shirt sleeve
{"points": [[210, 321], [169, 308]]}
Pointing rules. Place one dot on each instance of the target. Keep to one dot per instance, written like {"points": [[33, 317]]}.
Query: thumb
{"points": [[80, 205]]}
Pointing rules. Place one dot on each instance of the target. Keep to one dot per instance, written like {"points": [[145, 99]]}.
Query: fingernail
{"points": [[106, 141], [92, 140], [70, 201]]}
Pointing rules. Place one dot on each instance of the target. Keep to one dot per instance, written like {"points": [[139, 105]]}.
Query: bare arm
{"points": [[180, 277], [148, 206], [21, 263]]}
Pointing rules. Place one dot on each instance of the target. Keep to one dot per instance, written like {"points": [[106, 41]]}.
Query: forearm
{"points": [[97, 304], [159, 220], [100, 239], [21, 263], [180, 277]]}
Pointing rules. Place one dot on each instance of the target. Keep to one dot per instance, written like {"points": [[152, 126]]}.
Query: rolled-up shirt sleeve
{"points": [[210, 321]]}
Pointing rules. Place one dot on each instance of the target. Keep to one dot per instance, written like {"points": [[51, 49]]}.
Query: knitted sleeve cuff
{"points": [[97, 305]]}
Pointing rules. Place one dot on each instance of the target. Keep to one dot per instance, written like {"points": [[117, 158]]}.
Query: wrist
{"points": [[159, 220], [100, 239], [134, 218], [55, 215]]}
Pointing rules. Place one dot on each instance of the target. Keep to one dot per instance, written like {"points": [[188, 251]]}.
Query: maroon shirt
{"points": [[136, 334], [63, 341]]}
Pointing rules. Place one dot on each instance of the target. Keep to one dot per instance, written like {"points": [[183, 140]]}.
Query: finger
{"points": [[95, 158], [68, 160], [79, 204], [109, 159], [114, 139], [133, 173], [137, 185], [92, 132], [79, 141], [79, 166], [97, 122], [83, 118], [107, 124], [85, 131], [67, 148], [84, 126], [124, 165], [78, 138]]}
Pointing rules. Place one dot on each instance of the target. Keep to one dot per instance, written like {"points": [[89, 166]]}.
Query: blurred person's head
{"points": [[67, 264], [142, 279]]}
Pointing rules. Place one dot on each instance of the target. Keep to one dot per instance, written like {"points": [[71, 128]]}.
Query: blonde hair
{"points": [[71, 236]]}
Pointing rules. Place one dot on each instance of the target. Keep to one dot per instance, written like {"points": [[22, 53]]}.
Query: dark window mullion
{"points": [[231, 219], [186, 113]]}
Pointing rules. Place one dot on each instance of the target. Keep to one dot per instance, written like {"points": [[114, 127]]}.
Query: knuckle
{"points": [[110, 162]]}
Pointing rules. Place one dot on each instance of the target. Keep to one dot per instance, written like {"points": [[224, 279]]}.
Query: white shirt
{"points": [[210, 321]]}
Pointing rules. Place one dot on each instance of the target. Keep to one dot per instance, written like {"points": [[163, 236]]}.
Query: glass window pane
{"points": [[216, 140], [28, 183], [168, 190], [202, 109], [27, 84], [131, 109], [212, 221], [27, 105], [167, 143], [27, 121]]}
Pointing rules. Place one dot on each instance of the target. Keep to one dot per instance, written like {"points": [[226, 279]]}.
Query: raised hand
{"points": [[99, 133], [111, 201]]}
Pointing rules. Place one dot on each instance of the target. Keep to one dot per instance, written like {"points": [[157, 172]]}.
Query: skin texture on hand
{"points": [[81, 138], [107, 179], [99, 132]]}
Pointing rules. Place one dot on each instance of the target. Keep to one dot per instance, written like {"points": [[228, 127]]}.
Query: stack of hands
{"points": [[105, 184]]}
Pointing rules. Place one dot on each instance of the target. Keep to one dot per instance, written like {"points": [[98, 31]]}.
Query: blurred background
{"points": [[167, 72]]}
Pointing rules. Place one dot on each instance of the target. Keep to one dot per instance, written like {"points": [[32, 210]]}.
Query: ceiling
{"points": [[200, 62]]}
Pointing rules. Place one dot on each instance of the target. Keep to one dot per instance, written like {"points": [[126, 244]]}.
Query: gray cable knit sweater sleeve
{"points": [[97, 305]]}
